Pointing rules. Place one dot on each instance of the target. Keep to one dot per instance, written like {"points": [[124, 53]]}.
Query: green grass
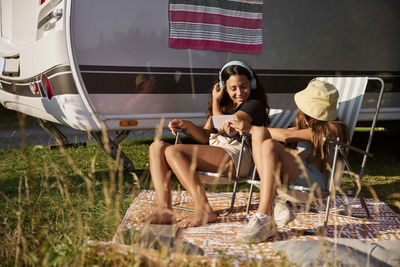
{"points": [[382, 172], [53, 200]]}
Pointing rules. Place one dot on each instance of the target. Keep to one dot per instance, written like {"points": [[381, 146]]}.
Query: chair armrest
{"points": [[177, 140], [338, 142]]}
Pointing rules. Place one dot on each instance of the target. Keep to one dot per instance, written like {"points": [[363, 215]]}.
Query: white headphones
{"points": [[253, 81]]}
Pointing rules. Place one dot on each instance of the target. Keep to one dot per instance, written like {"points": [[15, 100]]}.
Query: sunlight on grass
{"points": [[53, 201], [367, 129]]}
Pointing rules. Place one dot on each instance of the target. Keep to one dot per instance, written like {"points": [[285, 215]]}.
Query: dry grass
{"points": [[53, 201]]}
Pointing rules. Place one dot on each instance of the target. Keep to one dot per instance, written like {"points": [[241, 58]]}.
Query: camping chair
{"points": [[351, 92], [279, 119]]}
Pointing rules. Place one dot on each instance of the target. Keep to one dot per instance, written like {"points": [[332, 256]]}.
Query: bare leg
{"points": [[161, 178], [258, 136], [208, 158], [273, 160]]}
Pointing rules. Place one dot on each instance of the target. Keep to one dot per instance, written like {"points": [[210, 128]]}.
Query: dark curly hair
{"points": [[258, 93]]}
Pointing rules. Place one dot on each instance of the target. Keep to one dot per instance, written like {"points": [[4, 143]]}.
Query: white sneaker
{"points": [[259, 228], [282, 213]]}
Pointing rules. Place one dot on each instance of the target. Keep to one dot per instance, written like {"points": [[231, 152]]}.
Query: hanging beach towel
{"points": [[223, 25]]}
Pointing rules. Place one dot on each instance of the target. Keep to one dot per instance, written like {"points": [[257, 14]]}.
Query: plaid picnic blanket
{"points": [[223, 25]]}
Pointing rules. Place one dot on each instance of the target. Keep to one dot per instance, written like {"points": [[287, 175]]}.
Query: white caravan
{"points": [[90, 63]]}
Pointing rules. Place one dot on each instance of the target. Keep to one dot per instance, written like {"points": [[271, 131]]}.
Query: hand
{"points": [[218, 93], [227, 128], [240, 125], [176, 125]]}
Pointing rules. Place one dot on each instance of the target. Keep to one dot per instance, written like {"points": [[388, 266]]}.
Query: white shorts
{"points": [[232, 146]]}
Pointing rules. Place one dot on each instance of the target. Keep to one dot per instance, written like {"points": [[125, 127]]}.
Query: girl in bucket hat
{"points": [[316, 118]]}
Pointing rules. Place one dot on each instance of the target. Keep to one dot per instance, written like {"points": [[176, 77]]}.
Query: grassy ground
{"points": [[53, 200], [382, 173]]}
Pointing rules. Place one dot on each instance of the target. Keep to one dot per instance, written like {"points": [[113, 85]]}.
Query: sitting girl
{"points": [[316, 118], [238, 92]]}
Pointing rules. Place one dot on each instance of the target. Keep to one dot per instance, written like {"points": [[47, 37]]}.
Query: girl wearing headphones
{"points": [[237, 92]]}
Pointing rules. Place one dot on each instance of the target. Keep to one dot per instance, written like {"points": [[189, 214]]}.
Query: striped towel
{"points": [[223, 25]]}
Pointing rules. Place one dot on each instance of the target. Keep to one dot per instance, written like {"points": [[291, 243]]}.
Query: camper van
{"points": [[98, 64]]}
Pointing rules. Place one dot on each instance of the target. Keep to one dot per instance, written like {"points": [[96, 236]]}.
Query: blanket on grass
{"points": [[219, 239]]}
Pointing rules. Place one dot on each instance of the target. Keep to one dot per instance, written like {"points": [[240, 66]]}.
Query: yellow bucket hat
{"points": [[318, 100]]}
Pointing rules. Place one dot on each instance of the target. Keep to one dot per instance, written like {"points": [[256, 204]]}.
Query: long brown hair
{"points": [[258, 93], [320, 129]]}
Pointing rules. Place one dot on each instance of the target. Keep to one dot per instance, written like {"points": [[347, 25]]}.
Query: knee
{"points": [[172, 152], [269, 146], [157, 148], [258, 134]]}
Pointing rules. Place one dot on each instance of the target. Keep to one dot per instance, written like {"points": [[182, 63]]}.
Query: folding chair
{"points": [[348, 112], [279, 119], [351, 92]]}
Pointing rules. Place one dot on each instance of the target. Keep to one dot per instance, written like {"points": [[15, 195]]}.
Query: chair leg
{"points": [[328, 206], [251, 191], [229, 211], [360, 197], [331, 184], [249, 199], [182, 208], [364, 205], [356, 185], [239, 164]]}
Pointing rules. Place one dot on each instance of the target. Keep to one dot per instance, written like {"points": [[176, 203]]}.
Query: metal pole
{"points": [[332, 178]]}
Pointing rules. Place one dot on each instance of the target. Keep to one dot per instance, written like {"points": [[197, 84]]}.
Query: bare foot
{"points": [[164, 216], [198, 218]]}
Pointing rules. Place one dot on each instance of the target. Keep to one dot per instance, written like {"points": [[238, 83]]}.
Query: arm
{"points": [[200, 134], [290, 135], [241, 124], [217, 95], [250, 112]]}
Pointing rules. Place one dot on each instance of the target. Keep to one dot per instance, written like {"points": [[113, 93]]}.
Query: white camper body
{"points": [[108, 62]]}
